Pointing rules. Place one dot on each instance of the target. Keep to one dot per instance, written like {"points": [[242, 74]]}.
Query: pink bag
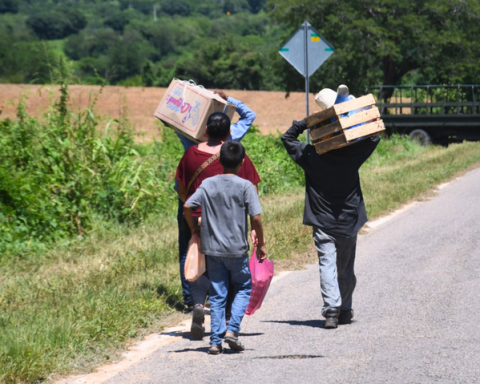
{"points": [[262, 274], [195, 260]]}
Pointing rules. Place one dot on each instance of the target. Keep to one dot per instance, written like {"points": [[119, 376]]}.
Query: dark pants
{"points": [[182, 254]]}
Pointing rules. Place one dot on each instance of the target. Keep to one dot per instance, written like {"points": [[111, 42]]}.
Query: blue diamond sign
{"points": [[318, 50]]}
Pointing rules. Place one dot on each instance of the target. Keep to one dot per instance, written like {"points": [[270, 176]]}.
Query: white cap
{"points": [[326, 97]]}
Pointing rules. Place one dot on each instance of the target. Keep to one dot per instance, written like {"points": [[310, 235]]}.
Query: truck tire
{"points": [[421, 136]]}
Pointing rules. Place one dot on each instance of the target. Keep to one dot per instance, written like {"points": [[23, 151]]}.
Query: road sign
{"points": [[318, 50], [306, 50]]}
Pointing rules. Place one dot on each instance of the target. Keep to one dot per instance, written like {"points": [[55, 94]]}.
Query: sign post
{"points": [[306, 51]]}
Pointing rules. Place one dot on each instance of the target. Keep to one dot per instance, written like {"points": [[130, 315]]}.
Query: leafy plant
{"points": [[59, 171]]}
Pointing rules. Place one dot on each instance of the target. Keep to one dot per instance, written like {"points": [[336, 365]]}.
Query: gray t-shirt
{"points": [[226, 200]]}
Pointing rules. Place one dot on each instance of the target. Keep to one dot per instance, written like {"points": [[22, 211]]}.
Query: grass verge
{"points": [[75, 306]]}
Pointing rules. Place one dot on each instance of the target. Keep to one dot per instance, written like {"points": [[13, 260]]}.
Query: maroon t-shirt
{"points": [[194, 158]]}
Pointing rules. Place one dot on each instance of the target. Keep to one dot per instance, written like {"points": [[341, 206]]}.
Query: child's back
{"points": [[226, 202]]}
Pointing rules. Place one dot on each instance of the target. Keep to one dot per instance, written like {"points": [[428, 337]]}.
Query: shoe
{"points": [[345, 317], [234, 343], [331, 319], [215, 349], [187, 308], [198, 330]]}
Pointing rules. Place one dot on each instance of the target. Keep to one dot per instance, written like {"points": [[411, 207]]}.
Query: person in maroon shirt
{"points": [[218, 131]]}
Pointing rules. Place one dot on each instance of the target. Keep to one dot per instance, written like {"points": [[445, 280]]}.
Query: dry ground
{"points": [[274, 111]]}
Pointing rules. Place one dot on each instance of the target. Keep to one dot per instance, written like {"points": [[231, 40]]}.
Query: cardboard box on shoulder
{"points": [[185, 107], [344, 124]]}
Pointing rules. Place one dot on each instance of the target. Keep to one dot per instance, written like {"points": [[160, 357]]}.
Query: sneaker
{"points": [[215, 349], [331, 319], [198, 330], [345, 317], [234, 343]]}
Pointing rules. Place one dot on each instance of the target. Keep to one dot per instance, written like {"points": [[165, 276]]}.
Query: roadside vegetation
{"points": [[88, 248]]}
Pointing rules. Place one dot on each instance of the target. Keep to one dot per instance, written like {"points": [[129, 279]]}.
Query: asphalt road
{"points": [[417, 312]]}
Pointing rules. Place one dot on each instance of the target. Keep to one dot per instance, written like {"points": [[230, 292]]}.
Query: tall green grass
{"points": [[57, 173]]}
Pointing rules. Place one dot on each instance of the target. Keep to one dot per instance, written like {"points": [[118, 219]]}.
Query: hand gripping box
{"points": [[185, 107], [344, 124]]}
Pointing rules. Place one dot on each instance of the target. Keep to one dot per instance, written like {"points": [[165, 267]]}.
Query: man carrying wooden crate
{"points": [[334, 207]]}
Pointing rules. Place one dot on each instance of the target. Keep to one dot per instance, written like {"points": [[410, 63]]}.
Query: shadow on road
{"points": [[304, 323], [200, 349], [250, 334], [188, 336], [226, 351]]}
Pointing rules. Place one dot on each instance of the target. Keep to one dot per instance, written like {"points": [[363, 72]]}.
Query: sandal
{"points": [[198, 330], [215, 349], [234, 343]]}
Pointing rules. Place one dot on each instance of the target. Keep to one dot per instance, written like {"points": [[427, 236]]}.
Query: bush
{"points": [[117, 21], [81, 46], [126, 57], [9, 6], [23, 60], [91, 67], [143, 6], [59, 172], [176, 7], [57, 24]]}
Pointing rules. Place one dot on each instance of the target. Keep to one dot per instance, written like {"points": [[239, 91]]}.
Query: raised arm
{"points": [[247, 116], [294, 147]]}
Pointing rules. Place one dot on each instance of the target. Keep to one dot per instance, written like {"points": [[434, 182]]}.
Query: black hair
{"points": [[218, 125], [231, 154]]}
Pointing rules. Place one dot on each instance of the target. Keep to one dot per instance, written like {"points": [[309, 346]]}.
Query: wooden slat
{"points": [[364, 130], [318, 133], [329, 144], [360, 117], [354, 104], [339, 109], [319, 117], [350, 143]]}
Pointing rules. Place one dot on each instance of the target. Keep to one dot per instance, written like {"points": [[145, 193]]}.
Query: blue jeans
{"points": [[222, 272], [336, 259], [182, 254]]}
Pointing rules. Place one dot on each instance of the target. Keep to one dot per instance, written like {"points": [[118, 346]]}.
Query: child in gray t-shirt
{"points": [[226, 200]]}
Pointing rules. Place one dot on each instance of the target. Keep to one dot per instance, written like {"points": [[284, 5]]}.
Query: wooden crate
{"points": [[327, 135]]}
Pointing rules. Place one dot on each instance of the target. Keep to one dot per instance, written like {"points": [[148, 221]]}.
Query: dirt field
{"points": [[274, 111]]}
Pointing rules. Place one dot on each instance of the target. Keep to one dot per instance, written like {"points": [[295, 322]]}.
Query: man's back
{"points": [[226, 201], [333, 200]]}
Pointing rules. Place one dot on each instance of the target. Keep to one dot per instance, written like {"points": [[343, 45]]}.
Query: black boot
{"points": [[331, 318], [345, 317]]}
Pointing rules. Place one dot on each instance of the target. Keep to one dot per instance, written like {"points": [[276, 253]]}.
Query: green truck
{"points": [[431, 113]]}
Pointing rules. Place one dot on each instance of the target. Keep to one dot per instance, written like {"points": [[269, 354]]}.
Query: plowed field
{"points": [[274, 111]]}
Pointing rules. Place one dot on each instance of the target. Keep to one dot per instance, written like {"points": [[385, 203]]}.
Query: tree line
{"points": [[234, 44]]}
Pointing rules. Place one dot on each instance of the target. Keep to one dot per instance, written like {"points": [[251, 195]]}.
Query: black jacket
{"points": [[333, 196]]}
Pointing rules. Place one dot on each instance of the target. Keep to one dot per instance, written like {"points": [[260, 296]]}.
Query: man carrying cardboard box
{"points": [[237, 132]]}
